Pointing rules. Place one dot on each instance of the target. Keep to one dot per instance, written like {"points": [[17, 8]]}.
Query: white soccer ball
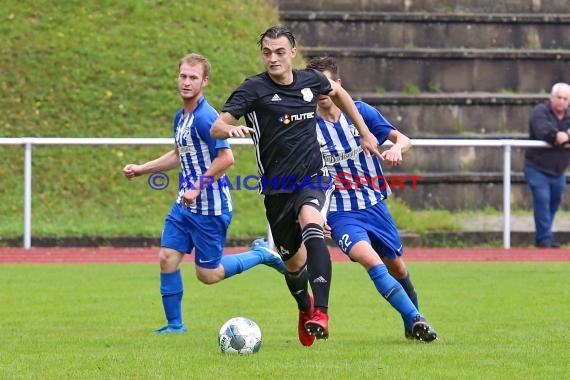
{"points": [[240, 335]]}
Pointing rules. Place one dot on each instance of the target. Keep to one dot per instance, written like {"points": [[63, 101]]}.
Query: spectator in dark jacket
{"points": [[544, 168]]}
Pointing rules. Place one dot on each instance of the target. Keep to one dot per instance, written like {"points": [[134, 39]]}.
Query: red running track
{"points": [[149, 255]]}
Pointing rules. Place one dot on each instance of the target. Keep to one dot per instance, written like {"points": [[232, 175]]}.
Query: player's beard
{"points": [[189, 95]]}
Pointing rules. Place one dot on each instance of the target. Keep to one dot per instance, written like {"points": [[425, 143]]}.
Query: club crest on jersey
{"points": [[185, 133], [353, 130], [183, 130], [307, 94]]}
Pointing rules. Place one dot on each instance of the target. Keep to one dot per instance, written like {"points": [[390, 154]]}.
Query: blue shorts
{"points": [[185, 230], [373, 225]]}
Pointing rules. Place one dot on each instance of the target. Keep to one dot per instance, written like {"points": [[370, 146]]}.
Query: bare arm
{"points": [[225, 127], [223, 161], [402, 144], [342, 100], [167, 161]]}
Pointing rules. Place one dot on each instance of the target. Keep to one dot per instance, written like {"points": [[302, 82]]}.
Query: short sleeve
{"points": [[324, 83], [376, 122], [241, 100]]}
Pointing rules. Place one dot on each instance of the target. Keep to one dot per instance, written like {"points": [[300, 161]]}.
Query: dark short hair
{"points": [[277, 31], [325, 64]]}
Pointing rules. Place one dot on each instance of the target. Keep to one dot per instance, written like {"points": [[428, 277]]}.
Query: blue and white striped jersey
{"points": [[359, 181], [197, 150]]}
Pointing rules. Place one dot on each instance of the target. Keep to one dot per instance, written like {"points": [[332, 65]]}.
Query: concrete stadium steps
{"points": [[467, 191], [475, 161], [447, 6], [446, 70], [452, 191], [428, 115], [429, 30]]}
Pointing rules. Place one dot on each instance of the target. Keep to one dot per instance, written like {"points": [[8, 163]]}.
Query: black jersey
{"points": [[283, 118]]}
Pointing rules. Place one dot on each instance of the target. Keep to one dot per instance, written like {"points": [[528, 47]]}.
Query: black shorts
{"points": [[282, 210]]}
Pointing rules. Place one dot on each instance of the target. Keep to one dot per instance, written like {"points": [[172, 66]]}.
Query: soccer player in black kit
{"points": [[279, 106]]}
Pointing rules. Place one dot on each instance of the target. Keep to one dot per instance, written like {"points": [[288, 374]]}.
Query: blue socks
{"points": [[171, 288], [394, 293], [235, 264]]}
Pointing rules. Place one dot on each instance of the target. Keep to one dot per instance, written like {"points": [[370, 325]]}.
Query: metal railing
{"points": [[29, 142]]}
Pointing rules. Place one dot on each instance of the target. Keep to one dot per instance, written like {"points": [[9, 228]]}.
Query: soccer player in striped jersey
{"points": [[202, 212], [279, 108], [360, 222]]}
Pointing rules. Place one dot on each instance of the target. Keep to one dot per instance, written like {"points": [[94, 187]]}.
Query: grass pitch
{"points": [[495, 320]]}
